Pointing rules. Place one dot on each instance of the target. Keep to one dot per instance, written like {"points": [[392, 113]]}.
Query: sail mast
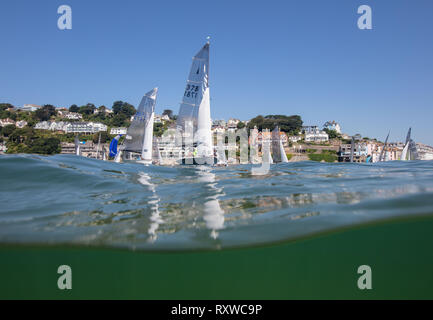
{"points": [[382, 153], [352, 147], [97, 148]]}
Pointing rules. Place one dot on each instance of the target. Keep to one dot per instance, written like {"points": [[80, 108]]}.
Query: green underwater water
{"points": [[321, 267]]}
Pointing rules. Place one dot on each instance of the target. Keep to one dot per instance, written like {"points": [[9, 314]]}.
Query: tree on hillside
{"points": [[120, 107], [102, 109], [119, 120], [8, 129], [45, 113], [240, 125], [45, 146], [168, 112], [104, 137], [5, 106], [22, 135], [288, 124], [332, 133], [74, 108], [87, 109]]}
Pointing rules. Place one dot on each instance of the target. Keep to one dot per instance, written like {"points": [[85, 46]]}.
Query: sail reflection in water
{"points": [[213, 215], [155, 217]]}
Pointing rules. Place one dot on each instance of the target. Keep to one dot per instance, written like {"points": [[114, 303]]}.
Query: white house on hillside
{"points": [[332, 125]]}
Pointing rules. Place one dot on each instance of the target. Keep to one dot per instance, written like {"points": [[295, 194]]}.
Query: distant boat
{"points": [[195, 111], [139, 137], [113, 152], [382, 153], [410, 151]]}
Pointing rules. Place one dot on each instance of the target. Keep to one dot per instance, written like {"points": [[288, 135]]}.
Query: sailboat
{"points": [[277, 146], [195, 111], [156, 154], [410, 151], [382, 153], [139, 137], [113, 152]]}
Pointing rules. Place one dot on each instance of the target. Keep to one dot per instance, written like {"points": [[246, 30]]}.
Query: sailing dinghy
{"points": [[139, 137], [410, 151], [382, 153], [195, 111]]}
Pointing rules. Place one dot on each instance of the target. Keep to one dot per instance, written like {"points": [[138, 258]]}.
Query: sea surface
{"points": [[69, 200]]}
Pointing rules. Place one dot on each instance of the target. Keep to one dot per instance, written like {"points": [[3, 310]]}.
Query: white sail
{"points": [[104, 157], [404, 153], [139, 137], [195, 107], [156, 154], [382, 153], [283, 153], [118, 157], [77, 146]]}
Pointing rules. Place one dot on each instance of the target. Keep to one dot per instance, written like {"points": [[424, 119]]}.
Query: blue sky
{"points": [[289, 57]]}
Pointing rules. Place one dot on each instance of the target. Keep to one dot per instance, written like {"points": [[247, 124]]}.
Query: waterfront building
{"points": [[119, 130], [232, 124], [316, 137], [51, 125], [425, 152], [72, 115], [29, 107], [5, 122], [21, 124], [360, 152], [219, 123], [85, 127], [218, 130], [332, 125], [43, 125], [310, 129], [294, 139]]}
